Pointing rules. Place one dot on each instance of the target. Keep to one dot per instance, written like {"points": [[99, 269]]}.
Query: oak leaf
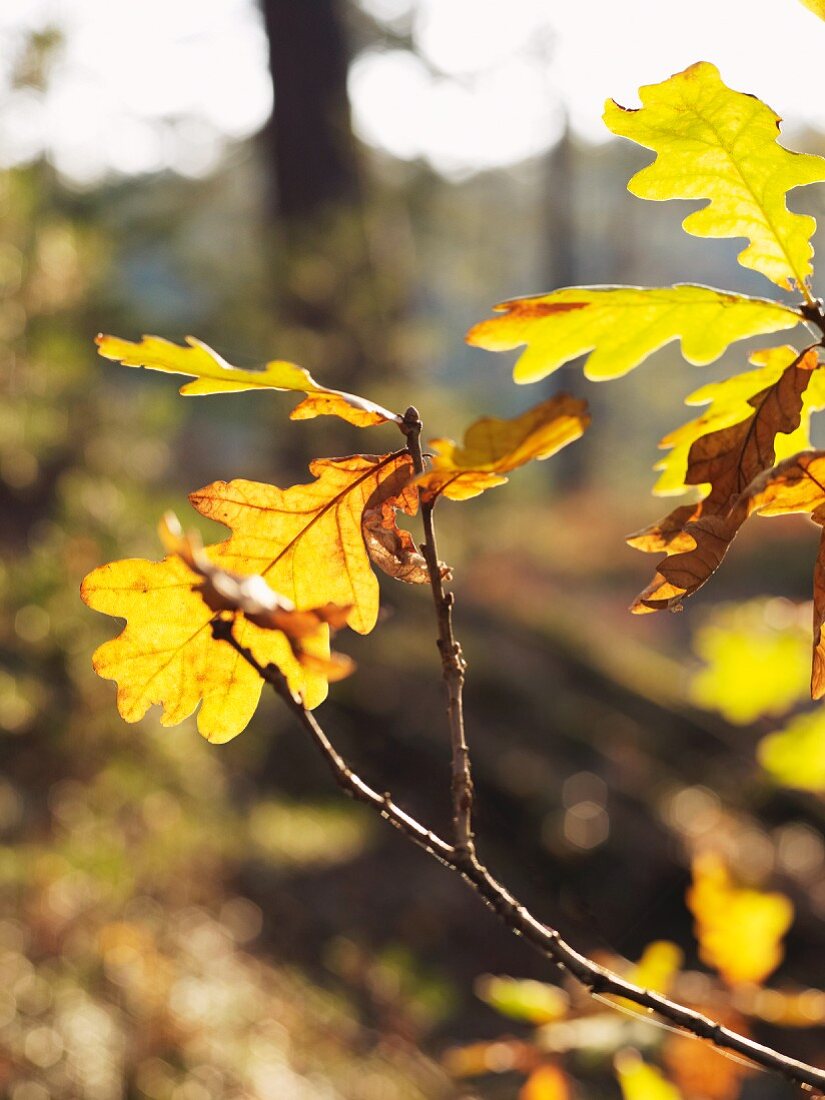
{"points": [[167, 655], [697, 537], [621, 326], [816, 6], [717, 144], [212, 374], [222, 590], [798, 485], [307, 541], [739, 930], [728, 403], [493, 447]]}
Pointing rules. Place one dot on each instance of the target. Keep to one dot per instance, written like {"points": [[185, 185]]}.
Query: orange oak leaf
{"points": [[307, 541], [212, 374], [739, 930], [167, 655], [222, 590], [696, 537], [493, 447]]}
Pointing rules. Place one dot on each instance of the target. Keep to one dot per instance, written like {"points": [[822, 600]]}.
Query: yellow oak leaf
{"points": [[212, 374], [739, 930], [816, 6], [717, 144], [621, 326], [307, 541], [493, 447], [166, 653], [222, 590]]}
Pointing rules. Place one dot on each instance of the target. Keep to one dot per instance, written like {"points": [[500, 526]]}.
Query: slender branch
{"points": [[452, 662], [597, 979]]}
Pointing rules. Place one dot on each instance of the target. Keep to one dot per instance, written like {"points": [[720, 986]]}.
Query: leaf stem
{"points": [[599, 980], [453, 665]]}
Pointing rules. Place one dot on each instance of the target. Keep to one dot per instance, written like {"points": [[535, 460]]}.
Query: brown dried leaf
{"points": [[696, 537]]}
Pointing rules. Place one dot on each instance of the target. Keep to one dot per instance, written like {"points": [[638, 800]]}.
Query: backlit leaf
{"points": [[739, 930], [728, 403], [696, 537], [524, 999], [493, 447], [212, 374], [307, 541], [752, 667], [621, 326], [167, 655], [640, 1081], [795, 755], [222, 590], [717, 144]]}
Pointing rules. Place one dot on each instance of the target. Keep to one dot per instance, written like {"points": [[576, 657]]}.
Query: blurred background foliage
{"points": [[181, 922]]}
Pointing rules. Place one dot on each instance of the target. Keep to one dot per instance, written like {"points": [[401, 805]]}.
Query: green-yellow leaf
{"points": [[717, 144], [795, 756], [622, 326], [212, 374]]}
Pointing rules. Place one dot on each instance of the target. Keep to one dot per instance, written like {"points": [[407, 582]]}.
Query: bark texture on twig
{"points": [[597, 979], [452, 661]]}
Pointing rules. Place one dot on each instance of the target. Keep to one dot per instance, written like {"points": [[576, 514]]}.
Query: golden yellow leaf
{"points": [[212, 374], [816, 6], [795, 755], [739, 930], [640, 1081], [622, 325], [493, 447], [166, 653], [717, 144], [222, 590], [307, 541], [547, 1082], [728, 459]]}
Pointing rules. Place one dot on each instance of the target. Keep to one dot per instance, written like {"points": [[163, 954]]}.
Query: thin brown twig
{"points": [[452, 661], [597, 979]]}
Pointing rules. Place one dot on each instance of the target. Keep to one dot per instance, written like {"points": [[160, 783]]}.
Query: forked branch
{"points": [[597, 979]]}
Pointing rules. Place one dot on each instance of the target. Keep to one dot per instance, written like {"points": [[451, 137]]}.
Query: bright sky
{"points": [[145, 84]]}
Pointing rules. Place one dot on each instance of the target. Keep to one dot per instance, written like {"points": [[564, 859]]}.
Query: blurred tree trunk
{"points": [[334, 307]]}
